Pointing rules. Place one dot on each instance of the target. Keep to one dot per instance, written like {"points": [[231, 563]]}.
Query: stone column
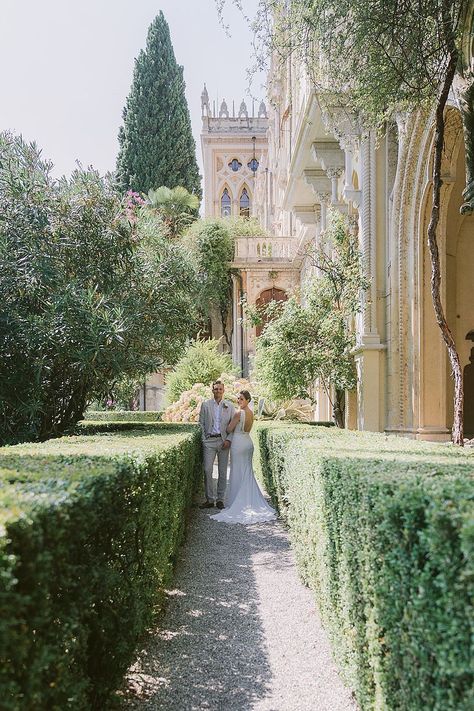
{"points": [[236, 326], [369, 349]]}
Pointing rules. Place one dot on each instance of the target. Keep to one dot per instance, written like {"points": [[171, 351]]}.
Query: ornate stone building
{"points": [[234, 145], [310, 158]]}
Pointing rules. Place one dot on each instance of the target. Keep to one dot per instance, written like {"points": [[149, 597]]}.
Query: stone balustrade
{"points": [[264, 249]]}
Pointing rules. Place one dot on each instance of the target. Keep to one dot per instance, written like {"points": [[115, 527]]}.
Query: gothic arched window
{"points": [[235, 165], [226, 204], [244, 203]]}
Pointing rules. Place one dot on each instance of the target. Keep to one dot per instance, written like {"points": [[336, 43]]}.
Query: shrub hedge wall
{"points": [[383, 530], [124, 415], [89, 529]]}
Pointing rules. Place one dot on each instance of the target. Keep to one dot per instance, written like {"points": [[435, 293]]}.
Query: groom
{"points": [[214, 417]]}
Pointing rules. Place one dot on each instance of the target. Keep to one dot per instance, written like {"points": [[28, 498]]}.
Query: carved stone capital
{"points": [[333, 172]]}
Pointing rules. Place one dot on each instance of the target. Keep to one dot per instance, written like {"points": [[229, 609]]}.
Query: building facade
{"points": [[310, 158]]}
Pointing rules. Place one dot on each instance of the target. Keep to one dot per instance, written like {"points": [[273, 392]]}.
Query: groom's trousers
{"points": [[212, 446]]}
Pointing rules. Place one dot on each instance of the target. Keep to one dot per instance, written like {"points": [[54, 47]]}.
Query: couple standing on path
{"points": [[224, 430]]}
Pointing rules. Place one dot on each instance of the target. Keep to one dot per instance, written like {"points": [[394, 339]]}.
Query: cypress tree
{"points": [[156, 143]]}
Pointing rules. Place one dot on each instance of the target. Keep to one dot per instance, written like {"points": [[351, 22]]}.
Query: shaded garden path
{"points": [[240, 630]]}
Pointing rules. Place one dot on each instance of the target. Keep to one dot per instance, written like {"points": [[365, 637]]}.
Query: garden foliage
{"points": [[91, 292], [202, 362], [90, 527], [383, 530], [310, 336], [176, 206], [211, 244]]}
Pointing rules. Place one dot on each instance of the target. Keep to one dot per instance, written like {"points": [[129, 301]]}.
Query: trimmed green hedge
{"points": [[89, 427], [123, 415], [90, 526], [383, 530]]}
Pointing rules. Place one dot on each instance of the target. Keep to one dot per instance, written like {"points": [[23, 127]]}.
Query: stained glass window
{"points": [[226, 204], [253, 165], [244, 203], [235, 165]]}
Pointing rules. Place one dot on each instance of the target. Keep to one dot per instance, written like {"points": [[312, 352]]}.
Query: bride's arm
{"points": [[233, 423]]}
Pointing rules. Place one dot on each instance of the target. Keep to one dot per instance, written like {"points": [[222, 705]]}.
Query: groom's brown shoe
{"points": [[207, 505], [220, 505]]}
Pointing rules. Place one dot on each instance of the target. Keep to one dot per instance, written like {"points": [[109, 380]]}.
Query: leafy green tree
{"points": [[211, 244], [377, 58], [311, 338], [202, 362], [88, 295], [176, 206], [156, 142]]}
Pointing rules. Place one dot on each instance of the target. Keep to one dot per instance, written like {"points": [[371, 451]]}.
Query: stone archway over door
{"points": [[265, 298]]}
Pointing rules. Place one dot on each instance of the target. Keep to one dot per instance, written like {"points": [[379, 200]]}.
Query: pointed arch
{"points": [[244, 201], [225, 202]]}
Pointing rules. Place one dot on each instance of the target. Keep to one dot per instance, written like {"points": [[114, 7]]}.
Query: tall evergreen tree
{"points": [[156, 143]]}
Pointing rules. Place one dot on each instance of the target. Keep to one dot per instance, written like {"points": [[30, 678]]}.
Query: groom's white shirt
{"points": [[216, 423], [214, 418]]}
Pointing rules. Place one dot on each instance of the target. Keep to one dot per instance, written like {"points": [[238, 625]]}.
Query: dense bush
{"points": [[211, 244], [383, 530], [90, 292], [90, 527], [202, 362]]}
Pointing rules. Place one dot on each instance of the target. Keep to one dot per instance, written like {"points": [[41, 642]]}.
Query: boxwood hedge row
{"points": [[89, 529], [383, 530], [124, 415]]}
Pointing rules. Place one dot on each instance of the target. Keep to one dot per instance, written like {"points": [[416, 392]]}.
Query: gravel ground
{"points": [[240, 631]]}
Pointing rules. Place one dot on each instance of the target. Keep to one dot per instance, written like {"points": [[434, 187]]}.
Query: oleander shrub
{"points": [[383, 531], [90, 526], [93, 296]]}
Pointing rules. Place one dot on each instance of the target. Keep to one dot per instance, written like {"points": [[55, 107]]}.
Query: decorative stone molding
{"points": [[321, 186], [319, 183], [243, 112], [353, 196], [341, 122], [329, 154], [307, 214], [205, 108], [464, 92], [224, 111], [262, 110]]}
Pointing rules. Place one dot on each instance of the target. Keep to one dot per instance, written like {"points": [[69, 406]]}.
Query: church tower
{"points": [[234, 146]]}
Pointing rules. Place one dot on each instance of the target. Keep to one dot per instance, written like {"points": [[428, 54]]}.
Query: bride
{"points": [[245, 502]]}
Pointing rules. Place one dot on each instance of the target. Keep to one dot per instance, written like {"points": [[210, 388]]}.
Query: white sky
{"points": [[67, 68]]}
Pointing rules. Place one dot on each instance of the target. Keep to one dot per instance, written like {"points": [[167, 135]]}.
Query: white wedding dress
{"points": [[245, 502]]}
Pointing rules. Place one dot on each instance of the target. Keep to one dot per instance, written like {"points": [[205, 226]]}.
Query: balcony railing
{"points": [[264, 249]]}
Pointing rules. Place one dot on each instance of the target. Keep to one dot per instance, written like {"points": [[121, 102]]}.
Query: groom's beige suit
{"points": [[214, 419]]}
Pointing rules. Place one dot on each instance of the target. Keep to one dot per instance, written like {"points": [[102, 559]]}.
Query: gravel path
{"points": [[240, 631]]}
